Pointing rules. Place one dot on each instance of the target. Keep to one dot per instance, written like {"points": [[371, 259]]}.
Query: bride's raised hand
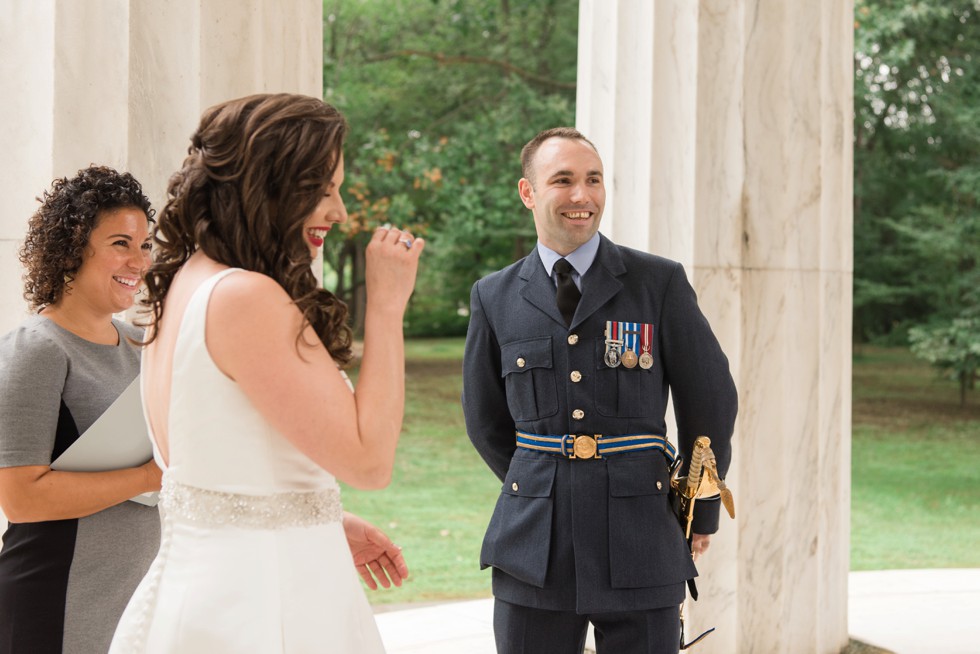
{"points": [[392, 263]]}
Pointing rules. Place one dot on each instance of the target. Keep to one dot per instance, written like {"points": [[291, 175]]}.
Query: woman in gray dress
{"points": [[75, 548]]}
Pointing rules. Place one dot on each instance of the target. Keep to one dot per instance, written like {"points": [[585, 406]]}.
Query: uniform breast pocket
{"points": [[623, 392], [528, 372]]}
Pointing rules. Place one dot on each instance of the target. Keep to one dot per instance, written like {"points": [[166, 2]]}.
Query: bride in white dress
{"points": [[251, 418]]}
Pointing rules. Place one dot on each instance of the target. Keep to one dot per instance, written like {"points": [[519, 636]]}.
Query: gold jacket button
{"points": [[576, 376], [521, 362], [572, 339], [514, 485], [659, 486], [578, 414]]}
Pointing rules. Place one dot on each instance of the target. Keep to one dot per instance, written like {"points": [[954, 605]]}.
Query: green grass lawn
{"points": [[441, 496], [915, 489], [915, 473]]}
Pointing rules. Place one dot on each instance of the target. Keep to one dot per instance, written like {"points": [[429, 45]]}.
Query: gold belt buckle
{"points": [[585, 446]]}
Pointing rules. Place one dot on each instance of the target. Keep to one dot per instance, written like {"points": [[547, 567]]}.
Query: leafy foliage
{"points": [[952, 346], [917, 170], [441, 96]]}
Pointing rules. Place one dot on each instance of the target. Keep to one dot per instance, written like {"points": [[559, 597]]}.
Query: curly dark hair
{"points": [[256, 169], [59, 230]]}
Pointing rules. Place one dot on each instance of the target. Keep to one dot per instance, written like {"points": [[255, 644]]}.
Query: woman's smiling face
{"points": [[328, 211], [116, 256]]}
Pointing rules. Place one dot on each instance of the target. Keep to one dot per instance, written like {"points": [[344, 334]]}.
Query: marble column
{"points": [[725, 129], [123, 83]]}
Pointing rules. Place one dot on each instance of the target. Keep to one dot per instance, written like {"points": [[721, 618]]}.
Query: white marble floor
{"points": [[906, 611], [441, 629], [917, 611]]}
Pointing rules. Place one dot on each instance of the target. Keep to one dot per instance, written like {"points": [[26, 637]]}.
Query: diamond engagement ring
{"points": [[407, 242]]}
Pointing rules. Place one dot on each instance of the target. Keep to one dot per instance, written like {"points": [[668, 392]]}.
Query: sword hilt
{"points": [[701, 445]]}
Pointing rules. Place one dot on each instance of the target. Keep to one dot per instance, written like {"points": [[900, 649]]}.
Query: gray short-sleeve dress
{"points": [[64, 583]]}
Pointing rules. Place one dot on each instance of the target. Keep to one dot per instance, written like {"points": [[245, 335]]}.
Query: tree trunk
{"points": [[341, 269], [358, 292]]}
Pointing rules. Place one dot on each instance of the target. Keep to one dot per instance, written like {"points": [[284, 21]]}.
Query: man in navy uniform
{"points": [[569, 357]]}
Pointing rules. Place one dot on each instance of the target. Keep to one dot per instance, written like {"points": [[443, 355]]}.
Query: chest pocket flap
{"points": [[525, 356], [526, 366]]}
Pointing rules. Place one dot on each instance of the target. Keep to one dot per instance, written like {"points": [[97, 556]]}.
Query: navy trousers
{"points": [[526, 630]]}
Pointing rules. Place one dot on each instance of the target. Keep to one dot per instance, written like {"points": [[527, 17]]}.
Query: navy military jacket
{"points": [[592, 535]]}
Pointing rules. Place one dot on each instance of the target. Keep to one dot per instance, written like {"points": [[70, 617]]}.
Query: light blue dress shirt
{"points": [[581, 259]]}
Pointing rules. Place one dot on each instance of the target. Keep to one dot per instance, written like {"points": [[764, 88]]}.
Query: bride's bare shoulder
{"points": [[252, 325], [245, 284], [246, 299]]}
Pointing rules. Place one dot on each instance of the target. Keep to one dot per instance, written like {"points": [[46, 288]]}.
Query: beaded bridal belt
{"points": [[275, 511]]}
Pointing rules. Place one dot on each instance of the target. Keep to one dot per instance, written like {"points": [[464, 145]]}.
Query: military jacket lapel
{"points": [[600, 283], [539, 290]]}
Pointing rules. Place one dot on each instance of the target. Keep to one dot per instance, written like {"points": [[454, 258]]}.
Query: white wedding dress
{"points": [[253, 556]]}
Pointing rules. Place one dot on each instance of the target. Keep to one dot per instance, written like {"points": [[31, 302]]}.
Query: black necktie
{"points": [[568, 294]]}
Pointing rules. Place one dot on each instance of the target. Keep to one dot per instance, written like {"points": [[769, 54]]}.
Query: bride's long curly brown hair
{"points": [[255, 170]]}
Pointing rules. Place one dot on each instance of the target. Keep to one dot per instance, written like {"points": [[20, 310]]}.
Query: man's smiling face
{"points": [[566, 193]]}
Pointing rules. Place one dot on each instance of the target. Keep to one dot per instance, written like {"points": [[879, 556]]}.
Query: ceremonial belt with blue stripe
{"points": [[594, 446]]}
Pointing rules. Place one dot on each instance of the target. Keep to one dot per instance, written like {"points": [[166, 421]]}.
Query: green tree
{"points": [[917, 170], [441, 95], [953, 346]]}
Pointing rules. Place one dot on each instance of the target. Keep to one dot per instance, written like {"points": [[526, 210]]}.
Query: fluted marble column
{"points": [[725, 129], [123, 83]]}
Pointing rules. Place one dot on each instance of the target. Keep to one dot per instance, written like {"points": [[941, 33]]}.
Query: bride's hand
{"points": [[375, 556], [392, 263]]}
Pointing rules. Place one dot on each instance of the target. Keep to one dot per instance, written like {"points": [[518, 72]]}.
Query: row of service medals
{"points": [[629, 344]]}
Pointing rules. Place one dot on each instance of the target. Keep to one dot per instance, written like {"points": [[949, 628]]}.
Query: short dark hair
{"points": [[256, 169], [59, 230], [531, 148]]}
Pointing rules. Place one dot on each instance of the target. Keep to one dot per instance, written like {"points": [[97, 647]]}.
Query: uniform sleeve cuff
{"points": [[706, 515]]}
